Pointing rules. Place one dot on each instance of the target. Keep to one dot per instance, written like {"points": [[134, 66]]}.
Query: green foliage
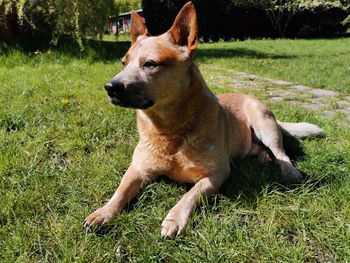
{"points": [[252, 18], [346, 21], [48, 21], [280, 12], [294, 5], [127, 5]]}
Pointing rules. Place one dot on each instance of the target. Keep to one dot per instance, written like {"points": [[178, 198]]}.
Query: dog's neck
{"points": [[180, 117]]}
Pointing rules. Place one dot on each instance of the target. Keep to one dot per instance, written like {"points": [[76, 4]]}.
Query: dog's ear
{"points": [[185, 28], [137, 27]]}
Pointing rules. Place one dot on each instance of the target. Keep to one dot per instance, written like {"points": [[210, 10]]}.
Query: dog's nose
{"points": [[116, 87], [108, 86]]}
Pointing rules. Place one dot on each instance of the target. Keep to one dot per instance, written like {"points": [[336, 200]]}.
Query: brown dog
{"points": [[186, 132]]}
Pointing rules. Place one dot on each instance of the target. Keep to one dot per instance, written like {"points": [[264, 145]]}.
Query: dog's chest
{"points": [[177, 167], [185, 159], [187, 176], [184, 166]]}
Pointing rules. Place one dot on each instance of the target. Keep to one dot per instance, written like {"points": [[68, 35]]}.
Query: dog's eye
{"points": [[150, 64], [123, 62]]}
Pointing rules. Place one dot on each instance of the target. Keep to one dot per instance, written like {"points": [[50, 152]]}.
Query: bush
{"points": [[127, 5], [41, 22], [323, 23], [225, 19]]}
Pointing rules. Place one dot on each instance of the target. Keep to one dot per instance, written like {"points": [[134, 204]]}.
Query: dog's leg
{"points": [[178, 216], [268, 132], [129, 186]]}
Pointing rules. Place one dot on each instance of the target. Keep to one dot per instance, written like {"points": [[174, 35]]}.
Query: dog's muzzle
{"points": [[129, 96]]}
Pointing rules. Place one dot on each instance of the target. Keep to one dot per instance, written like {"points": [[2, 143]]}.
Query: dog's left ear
{"points": [[185, 28], [137, 27]]}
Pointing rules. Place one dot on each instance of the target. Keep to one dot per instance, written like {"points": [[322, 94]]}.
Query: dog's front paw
{"points": [[173, 224], [100, 217], [170, 228]]}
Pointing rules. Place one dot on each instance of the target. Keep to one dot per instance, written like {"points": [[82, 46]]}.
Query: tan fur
{"points": [[189, 134]]}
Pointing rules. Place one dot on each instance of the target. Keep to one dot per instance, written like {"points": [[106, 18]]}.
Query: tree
{"points": [[280, 12], [161, 14], [127, 5], [49, 20], [225, 19]]}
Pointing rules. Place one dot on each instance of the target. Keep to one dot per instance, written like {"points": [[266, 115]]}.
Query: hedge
{"points": [[226, 19]]}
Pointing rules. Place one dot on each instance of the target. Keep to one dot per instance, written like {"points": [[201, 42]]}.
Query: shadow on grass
{"points": [[249, 175], [98, 50], [95, 50], [209, 53], [104, 50]]}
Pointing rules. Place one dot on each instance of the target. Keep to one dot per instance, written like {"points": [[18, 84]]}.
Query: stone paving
{"points": [[324, 102]]}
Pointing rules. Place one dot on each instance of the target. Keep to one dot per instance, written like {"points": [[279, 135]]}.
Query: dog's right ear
{"points": [[137, 27], [185, 29]]}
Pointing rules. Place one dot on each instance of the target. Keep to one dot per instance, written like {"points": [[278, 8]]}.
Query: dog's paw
{"points": [[292, 174], [173, 223], [170, 228], [98, 218]]}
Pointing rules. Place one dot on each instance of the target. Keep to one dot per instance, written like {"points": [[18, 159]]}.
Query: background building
{"points": [[121, 23]]}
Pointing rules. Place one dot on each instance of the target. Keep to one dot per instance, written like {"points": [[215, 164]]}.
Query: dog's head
{"points": [[156, 68]]}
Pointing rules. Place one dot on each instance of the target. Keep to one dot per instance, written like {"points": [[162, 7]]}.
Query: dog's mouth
{"points": [[135, 103]]}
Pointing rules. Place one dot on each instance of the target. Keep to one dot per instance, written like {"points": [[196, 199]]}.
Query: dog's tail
{"points": [[300, 129]]}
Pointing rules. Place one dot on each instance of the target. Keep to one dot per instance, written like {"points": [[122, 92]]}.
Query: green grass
{"points": [[64, 149], [322, 63], [120, 37]]}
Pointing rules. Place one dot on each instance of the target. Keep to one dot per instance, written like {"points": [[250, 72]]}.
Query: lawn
{"points": [[64, 149], [322, 63]]}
